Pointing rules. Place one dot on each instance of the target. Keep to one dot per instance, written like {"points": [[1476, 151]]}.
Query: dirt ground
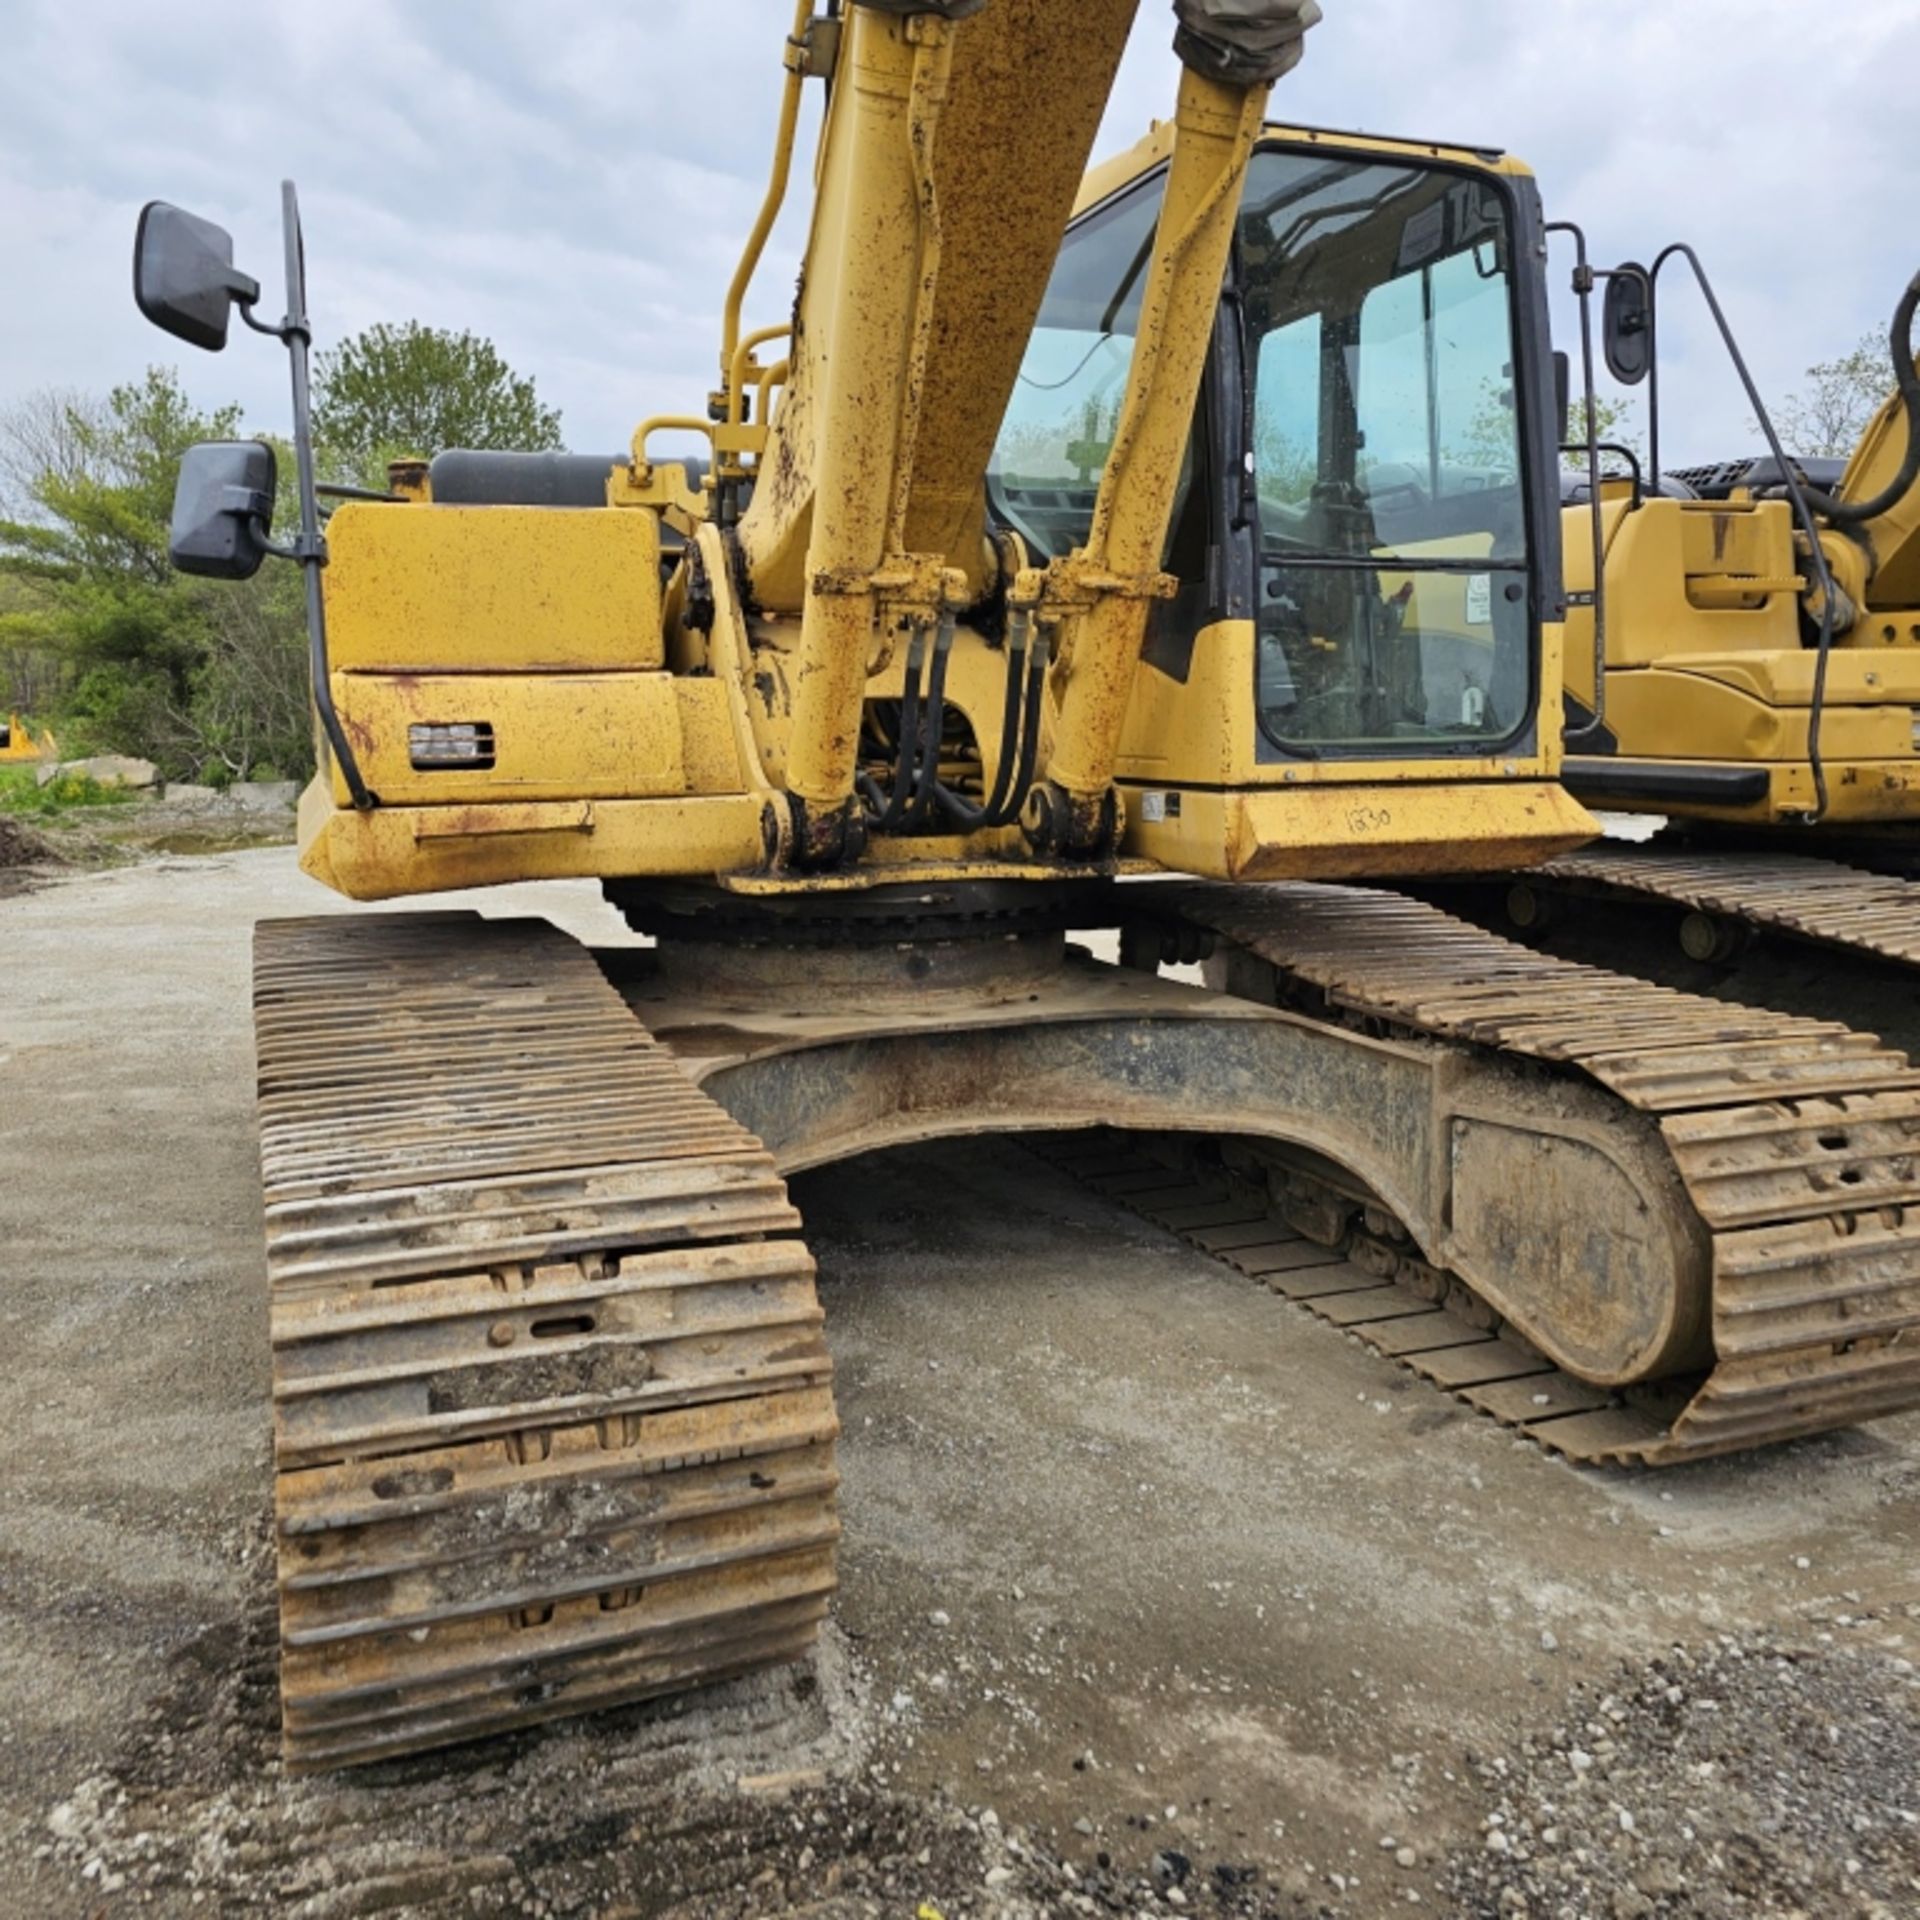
{"points": [[1158, 1595]]}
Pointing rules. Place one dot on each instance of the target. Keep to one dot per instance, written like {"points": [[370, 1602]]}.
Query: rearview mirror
{"points": [[223, 509], [183, 275], [1627, 329]]}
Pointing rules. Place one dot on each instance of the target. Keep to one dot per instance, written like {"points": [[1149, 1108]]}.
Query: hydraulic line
{"points": [[1015, 801], [894, 813], [991, 813], [1907, 380], [1030, 738], [933, 721]]}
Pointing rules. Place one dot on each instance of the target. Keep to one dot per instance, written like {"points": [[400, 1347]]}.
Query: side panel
{"points": [[494, 589], [554, 735]]}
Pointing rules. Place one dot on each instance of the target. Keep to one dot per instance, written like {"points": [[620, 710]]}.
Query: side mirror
{"points": [[1627, 329], [223, 509], [183, 275], [1563, 395]]}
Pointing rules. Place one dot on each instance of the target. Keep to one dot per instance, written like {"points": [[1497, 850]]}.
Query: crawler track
{"points": [[1794, 895], [1798, 1142], [553, 1418]]}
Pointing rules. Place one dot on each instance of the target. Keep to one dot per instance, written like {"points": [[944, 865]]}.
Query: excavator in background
{"points": [[1742, 648], [1147, 554], [19, 745]]}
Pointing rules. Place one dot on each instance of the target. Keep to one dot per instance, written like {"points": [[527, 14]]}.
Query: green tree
{"points": [[410, 389], [1829, 414], [1489, 435], [203, 677], [1613, 423]]}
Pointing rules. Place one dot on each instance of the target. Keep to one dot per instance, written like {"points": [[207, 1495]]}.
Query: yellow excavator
{"points": [[1743, 659], [1140, 555], [18, 742]]}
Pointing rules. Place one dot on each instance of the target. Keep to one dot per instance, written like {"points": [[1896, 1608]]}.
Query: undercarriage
{"points": [[554, 1422]]}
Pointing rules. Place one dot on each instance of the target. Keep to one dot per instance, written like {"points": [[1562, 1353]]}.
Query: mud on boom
{"points": [[1193, 517]]}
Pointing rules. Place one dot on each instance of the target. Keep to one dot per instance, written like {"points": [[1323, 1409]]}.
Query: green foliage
{"points": [[413, 390], [22, 795], [127, 655], [1828, 415], [1613, 422], [1490, 434], [1287, 471]]}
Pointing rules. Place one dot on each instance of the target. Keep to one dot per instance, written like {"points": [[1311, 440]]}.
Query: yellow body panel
{"points": [[1356, 831], [1678, 713], [1200, 798], [1707, 665], [1671, 565], [394, 851], [492, 589], [1201, 731], [1856, 676], [556, 735]]}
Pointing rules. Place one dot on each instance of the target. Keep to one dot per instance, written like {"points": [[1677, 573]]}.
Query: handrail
{"points": [[666, 423], [1796, 490], [737, 373], [796, 65], [1583, 278]]}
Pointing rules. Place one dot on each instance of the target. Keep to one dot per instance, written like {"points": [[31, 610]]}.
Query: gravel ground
{"points": [[1749, 1774], [1157, 1594]]}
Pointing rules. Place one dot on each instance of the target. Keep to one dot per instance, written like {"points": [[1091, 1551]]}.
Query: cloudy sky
{"points": [[575, 183]]}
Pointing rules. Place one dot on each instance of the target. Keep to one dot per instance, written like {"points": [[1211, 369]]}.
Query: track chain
{"points": [[553, 1413], [1361, 1286], [1797, 1140], [1792, 894]]}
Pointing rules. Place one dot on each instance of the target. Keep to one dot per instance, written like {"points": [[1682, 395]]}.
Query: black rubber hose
{"points": [[1030, 740], [961, 812], [1017, 639], [1852, 512], [932, 725], [903, 771]]}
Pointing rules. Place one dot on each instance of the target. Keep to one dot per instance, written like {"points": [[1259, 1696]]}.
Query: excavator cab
{"points": [[1365, 538]]}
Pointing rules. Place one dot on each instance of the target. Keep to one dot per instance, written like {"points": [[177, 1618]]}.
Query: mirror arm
{"points": [[279, 549], [309, 545], [334, 490], [259, 326]]}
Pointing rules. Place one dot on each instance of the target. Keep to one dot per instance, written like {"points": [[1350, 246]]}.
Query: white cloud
{"points": [[576, 184]]}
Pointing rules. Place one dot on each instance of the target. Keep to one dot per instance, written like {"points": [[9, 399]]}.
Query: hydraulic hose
{"points": [[1851, 512], [903, 771], [932, 725], [992, 811], [1030, 739]]}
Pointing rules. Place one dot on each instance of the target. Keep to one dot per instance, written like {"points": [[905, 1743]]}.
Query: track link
{"points": [[1796, 895], [1357, 1287], [553, 1414], [1798, 1142]]}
